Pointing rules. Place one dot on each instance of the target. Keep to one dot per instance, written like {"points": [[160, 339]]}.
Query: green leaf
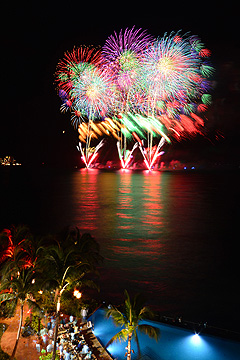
{"points": [[6, 297], [150, 330], [120, 336]]}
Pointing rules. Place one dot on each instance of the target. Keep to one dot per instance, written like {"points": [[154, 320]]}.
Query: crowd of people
{"points": [[71, 342]]}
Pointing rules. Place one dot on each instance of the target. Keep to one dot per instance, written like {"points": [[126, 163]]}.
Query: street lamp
{"points": [[77, 294]]}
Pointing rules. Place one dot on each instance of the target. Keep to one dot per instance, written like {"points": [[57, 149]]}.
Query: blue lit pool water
{"points": [[174, 343]]}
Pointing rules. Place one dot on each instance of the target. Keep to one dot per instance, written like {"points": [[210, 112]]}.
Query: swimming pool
{"points": [[174, 343]]}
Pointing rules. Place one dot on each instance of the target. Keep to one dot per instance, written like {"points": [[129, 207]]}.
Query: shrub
{"points": [[48, 356], [4, 356], [33, 324], [7, 309]]}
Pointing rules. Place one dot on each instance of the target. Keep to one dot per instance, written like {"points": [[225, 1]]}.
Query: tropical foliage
{"points": [[129, 318], [67, 261], [38, 271], [47, 356], [34, 322], [18, 267]]}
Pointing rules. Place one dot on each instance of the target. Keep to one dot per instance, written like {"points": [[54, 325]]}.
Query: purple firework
{"points": [[134, 40]]}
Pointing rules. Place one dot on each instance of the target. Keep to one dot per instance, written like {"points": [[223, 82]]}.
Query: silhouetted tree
{"points": [[129, 319]]}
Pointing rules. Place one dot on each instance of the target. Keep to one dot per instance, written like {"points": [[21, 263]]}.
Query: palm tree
{"points": [[66, 262], [19, 290], [17, 271], [15, 241], [129, 319]]}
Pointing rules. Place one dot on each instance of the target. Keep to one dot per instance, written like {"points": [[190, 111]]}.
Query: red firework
{"points": [[70, 66]]}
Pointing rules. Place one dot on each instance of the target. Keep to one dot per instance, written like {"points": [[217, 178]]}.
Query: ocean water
{"points": [[172, 235]]}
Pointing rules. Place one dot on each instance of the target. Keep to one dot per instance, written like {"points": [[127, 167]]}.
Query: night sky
{"points": [[35, 37]]}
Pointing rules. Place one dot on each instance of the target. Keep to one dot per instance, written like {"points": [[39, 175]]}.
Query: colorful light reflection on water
{"points": [[158, 233], [169, 235], [128, 208]]}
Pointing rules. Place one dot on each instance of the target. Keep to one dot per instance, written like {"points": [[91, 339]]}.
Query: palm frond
{"points": [[122, 335], [128, 306], [6, 297], [34, 306], [145, 313], [86, 283], [5, 284], [139, 302], [65, 261], [150, 330], [117, 316]]}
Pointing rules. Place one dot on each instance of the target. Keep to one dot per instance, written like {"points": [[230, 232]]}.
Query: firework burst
{"points": [[73, 64], [93, 92], [170, 70], [121, 46], [122, 53], [147, 88]]}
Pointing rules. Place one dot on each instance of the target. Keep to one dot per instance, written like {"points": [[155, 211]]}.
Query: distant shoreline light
{"points": [[9, 161]]}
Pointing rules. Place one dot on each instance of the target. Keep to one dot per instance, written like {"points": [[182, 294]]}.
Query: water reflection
{"points": [[154, 230], [86, 201], [157, 231], [139, 214], [124, 210], [125, 202], [152, 203]]}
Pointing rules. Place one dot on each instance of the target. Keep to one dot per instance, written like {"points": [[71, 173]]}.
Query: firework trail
{"points": [[92, 153]]}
